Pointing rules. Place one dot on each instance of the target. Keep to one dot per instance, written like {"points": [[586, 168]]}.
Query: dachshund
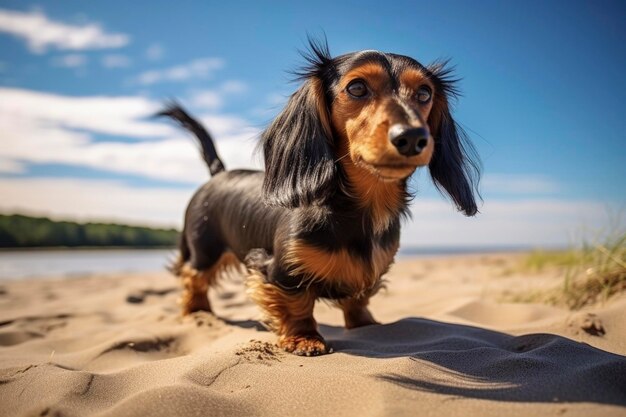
{"points": [[323, 219]]}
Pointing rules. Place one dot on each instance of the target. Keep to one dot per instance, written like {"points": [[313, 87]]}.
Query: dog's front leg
{"points": [[295, 325], [289, 314], [355, 312]]}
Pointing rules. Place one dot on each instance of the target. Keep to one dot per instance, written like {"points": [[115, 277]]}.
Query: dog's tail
{"points": [[176, 112]]}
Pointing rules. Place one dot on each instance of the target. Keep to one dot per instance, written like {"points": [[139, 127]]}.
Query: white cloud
{"points": [[70, 61], [225, 125], [208, 99], [94, 200], [123, 115], [274, 102], [276, 99], [154, 52], [115, 61], [46, 128], [519, 184], [198, 68], [40, 32], [8, 166], [214, 99], [528, 222], [234, 87]]}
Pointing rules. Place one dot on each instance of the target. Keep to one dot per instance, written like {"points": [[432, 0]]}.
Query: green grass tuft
{"points": [[591, 274]]}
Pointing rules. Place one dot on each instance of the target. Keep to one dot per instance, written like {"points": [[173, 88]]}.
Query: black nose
{"points": [[408, 140]]}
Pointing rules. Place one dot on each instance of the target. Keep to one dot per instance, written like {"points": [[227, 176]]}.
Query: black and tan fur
{"points": [[323, 220]]}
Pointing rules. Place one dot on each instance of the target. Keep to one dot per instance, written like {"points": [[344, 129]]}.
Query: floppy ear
{"points": [[454, 167], [300, 165]]}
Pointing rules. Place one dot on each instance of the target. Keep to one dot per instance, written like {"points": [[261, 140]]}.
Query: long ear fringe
{"points": [[317, 59], [443, 74], [300, 167], [455, 166], [299, 163]]}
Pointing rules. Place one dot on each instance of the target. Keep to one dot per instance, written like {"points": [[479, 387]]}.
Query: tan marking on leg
{"points": [[195, 288], [196, 283], [288, 315], [355, 312]]}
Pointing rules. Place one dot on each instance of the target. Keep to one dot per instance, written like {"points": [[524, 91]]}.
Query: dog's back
{"points": [[221, 222], [222, 215]]}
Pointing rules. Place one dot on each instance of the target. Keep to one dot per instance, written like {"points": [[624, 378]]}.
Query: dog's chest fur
{"points": [[345, 260]]}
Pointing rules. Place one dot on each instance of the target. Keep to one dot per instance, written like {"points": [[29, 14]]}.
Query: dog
{"points": [[323, 219]]}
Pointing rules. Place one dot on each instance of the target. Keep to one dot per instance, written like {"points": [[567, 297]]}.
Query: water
{"points": [[68, 263], [430, 252]]}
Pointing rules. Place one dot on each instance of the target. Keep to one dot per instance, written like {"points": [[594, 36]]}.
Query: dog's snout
{"points": [[409, 141]]}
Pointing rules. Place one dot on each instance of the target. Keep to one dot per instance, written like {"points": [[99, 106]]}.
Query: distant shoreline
{"points": [[472, 250], [403, 252], [83, 248], [18, 231]]}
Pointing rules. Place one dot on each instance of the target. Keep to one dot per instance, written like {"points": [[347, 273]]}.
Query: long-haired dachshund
{"points": [[323, 220]]}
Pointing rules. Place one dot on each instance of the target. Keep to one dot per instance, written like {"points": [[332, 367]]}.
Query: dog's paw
{"points": [[304, 345]]}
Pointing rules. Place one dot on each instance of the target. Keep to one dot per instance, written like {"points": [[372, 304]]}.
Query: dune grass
{"points": [[591, 274]]}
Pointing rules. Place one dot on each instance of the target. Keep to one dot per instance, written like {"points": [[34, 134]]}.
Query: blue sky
{"points": [[544, 98]]}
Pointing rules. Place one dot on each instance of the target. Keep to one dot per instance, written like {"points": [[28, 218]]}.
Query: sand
{"points": [[449, 345]]}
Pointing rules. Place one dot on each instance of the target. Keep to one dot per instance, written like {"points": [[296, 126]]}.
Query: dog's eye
{"points": [[424, 94], [357, 89]]}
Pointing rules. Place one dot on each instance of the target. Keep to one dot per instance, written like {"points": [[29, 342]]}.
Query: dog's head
{"points": [[383, 114]]}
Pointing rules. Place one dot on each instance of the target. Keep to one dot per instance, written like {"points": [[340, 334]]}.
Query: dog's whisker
{"points": [[340, 158]]}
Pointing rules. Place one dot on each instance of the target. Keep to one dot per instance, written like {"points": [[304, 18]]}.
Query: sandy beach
{"points": [[449, 345]]}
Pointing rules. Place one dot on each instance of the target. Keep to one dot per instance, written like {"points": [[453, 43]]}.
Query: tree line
{"points": [[19, 231]]}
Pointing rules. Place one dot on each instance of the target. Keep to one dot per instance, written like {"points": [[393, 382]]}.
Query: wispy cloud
{"points": [[115, 61], [47, 128], [234, 87], [123, 115], [8, 166], [94, 200], [213, 99], [70, 61], [276, 99], [154, 52], [207, 99], [519, 184], [198, 68], [526, 222], [41, 33], [273, 102]]}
